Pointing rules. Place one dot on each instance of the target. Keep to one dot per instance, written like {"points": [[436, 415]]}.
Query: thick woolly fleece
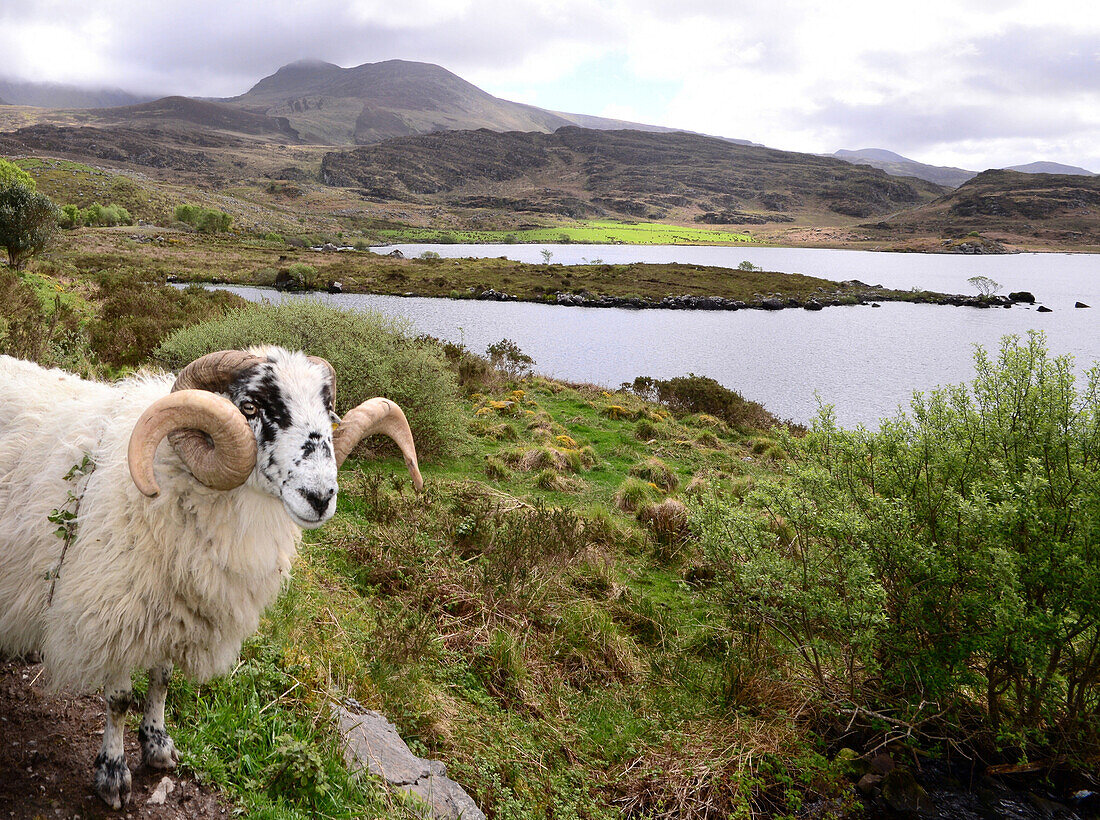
{"points": [[180, 579]]}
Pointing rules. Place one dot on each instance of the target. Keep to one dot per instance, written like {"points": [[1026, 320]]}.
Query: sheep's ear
{"points": [[331, 380]]}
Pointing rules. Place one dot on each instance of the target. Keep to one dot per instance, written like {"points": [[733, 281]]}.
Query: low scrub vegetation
{"points": [[373, 356], [655, 602], [942, 570], [204, 220], [94, 216]]}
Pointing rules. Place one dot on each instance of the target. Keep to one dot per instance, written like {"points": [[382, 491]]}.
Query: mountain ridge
{"points": [[580, 172]]}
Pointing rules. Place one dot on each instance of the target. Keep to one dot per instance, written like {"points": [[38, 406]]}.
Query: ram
{"points": [[120, 550]]}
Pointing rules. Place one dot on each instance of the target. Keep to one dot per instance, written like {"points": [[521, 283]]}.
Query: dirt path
{"points": [[47, 744]]}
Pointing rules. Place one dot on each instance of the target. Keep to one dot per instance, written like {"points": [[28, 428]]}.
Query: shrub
{"points": [[12, 174], [27, 330], [135, 315], [633, 494], [703, 395], [506, 356], [372, 355], [96, 216], [655, 471], [28, 222], [202, 219], [951, 557]]}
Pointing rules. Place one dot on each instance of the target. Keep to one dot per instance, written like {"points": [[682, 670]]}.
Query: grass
{"points": [[593, 232], [540, 642], [237, 260]]}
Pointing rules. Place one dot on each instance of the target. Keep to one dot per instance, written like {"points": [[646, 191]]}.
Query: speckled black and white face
{"points": [[288, 402]]}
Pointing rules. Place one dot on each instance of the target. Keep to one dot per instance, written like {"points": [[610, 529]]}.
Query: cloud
{"points": [[796, 74]]}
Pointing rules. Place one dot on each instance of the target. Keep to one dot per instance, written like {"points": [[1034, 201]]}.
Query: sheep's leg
{"points": [[112, 776], [157, 749]]}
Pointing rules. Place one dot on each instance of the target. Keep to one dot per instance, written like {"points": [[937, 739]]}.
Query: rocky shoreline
{"points": [[848, 293], [851, 292]]}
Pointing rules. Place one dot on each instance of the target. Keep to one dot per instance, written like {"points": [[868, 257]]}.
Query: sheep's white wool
{"points": [[182, 578]]}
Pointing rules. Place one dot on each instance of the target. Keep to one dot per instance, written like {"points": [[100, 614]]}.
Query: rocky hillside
{"points": [[372, 102], [899, 166], [1051, 168], [1048, 207], [583, 172]]}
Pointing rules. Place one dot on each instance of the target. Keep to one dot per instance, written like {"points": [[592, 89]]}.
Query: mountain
{"points": [[1019, 207], [897, 165], [177, 133], [331, 105], [61, 95], [1050, 168], [585, 172], [186, 112]]}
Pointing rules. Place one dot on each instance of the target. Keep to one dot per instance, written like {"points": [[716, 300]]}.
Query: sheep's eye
{"points": [[249, 409]]}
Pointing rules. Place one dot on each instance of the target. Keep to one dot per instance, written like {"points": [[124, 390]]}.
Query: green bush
{"points": [[136, 314], [372, 355], [950, 558], [700, 394], [28, 221], [202, 219]]}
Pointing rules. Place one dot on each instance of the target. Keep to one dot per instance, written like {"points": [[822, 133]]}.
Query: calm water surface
{"points": [[865, 361]]}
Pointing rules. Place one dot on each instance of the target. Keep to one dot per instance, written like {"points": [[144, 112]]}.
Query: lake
{"points": [[865, 361]]}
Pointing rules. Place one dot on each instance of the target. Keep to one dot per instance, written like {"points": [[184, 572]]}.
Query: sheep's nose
{"points": [[319, 501]]}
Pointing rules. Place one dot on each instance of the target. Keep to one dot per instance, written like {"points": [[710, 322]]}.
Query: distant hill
{"points": [[61, 95], [1050, 168], [372, 102], [185, 111], [1048, 207], [897, 165], [583, 172]]}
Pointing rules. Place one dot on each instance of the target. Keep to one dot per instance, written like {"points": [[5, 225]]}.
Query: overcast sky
{"points": [[972, 83]]}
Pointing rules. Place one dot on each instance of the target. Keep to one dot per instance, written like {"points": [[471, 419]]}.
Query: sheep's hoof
{"points": [[112, 780], [157, 749]]}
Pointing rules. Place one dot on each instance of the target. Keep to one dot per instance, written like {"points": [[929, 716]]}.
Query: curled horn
{"points": [[207, 430], [377, 416]]}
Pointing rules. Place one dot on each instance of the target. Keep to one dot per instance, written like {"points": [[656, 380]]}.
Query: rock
{"points": [[851, 763], [903, 794], [1022, 296], [1043, 309], [1080, 305], [1048, 808], [813, 304], [164, 788], [371, 742], [396, 254], [772, 304], [882, 763], [335, 287], [869, 783]]}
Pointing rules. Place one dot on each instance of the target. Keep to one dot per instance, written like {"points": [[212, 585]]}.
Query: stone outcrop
{"points": [[371, 744]]}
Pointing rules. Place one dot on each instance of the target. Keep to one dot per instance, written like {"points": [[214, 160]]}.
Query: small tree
{"points": [[985, 286], [748, 266], [10, 173], [547, 255], [28, 221], [506, 355]]}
